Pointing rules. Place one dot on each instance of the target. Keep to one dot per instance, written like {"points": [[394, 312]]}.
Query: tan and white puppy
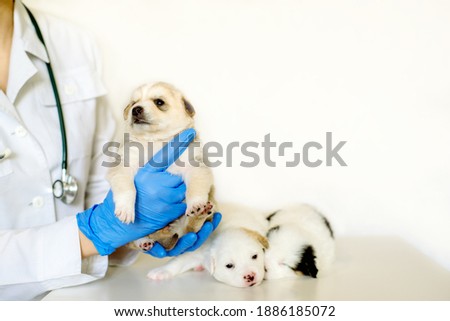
{"points": [[156, 113], [301, 243], [234, 253]]}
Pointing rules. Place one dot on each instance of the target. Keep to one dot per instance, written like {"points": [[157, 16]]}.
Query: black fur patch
{"points": [[329, 226], [307, 264], [273, 229], [271, 215]]}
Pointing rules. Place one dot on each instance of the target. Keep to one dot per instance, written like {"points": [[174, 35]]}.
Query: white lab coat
{"points": [[39, 244]]}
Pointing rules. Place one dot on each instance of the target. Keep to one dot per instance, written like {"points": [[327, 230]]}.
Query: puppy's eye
{"points": [[254, 257], [229, 266], [159, 102]]}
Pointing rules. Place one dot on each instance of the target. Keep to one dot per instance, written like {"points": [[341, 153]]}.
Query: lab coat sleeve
{"points": [[37, 260]]}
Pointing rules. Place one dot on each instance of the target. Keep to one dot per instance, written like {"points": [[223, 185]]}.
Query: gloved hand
{"points": [[159, 201]]}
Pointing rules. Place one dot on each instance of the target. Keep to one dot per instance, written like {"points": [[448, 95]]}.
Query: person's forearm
{"points": [[86, 246]]}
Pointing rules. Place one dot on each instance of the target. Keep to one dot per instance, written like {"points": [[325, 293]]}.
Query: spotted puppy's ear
{"points": [[189, 109], [261, 239], [126, 111]]}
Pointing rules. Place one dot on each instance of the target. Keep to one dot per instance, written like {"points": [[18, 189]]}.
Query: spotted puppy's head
{"points": [[159, 110], [237, 257]]}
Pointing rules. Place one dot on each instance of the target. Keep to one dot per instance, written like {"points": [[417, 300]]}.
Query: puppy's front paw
{"points": [[205, 209], [125, 213], [124, 205], [159, 274]]}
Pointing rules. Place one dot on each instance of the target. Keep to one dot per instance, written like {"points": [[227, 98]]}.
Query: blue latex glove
{"points": [[159, 201]]}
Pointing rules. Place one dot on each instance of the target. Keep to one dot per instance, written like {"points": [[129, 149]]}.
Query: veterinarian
{"points": [[57, 222]]}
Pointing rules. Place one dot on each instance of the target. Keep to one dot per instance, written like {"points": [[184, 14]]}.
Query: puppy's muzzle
{"points": [[250, 278], [138, 115]]}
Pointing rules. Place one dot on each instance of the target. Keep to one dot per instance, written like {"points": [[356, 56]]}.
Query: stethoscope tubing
{"points": [[55, 93], [65, 188]]}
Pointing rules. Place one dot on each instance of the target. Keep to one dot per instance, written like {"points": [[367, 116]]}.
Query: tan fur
{"points": [[126, 111], [261, 239]]}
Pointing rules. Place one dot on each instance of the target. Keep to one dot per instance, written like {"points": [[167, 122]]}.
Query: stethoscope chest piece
{"points": [[65, 188]]}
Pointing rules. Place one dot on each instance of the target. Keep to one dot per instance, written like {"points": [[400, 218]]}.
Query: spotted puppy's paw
{"points": [[159, 274], [145, 244], [204, 209]]}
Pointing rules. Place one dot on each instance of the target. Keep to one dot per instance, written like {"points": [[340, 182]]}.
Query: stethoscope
{"points": [[65, 188]]}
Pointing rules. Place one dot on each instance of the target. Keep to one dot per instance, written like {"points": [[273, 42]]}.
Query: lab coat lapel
{"points": [[21, 69]]}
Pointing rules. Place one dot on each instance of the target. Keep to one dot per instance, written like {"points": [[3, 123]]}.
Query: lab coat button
{"points": [[70, 89], [5, 154], [21, 132], [38, 202]]}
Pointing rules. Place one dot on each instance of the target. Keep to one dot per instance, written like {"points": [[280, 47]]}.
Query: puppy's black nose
{"points": [[250, 277], [137, 111]]}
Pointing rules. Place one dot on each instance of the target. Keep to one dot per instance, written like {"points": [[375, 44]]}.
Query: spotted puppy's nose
{"points": [[250, 277], [137, 111]]}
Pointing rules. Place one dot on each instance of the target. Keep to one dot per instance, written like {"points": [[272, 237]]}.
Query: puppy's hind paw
{"points": [[159, 274], [145, 244], [200, 209]]}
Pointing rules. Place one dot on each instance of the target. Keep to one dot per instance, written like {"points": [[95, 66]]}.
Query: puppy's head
{"points": [[158, 109], [237, 257]]}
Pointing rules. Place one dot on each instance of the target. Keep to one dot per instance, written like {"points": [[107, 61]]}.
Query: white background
{"points": [[374, 73]]}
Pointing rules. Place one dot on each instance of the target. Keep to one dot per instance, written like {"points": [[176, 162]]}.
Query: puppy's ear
{"points": [[127, 110], [212, 264], [261, 239], [189, 109]]}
